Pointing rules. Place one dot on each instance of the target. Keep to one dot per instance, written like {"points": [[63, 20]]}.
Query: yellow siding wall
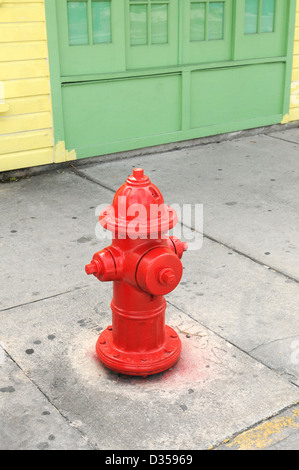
{"points": [[294, 104], [26, 134]]}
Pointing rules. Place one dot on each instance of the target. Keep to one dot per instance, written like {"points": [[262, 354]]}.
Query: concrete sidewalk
{"points": [[236, 310]]}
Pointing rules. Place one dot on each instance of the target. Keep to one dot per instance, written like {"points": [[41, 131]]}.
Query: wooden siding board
{"points": [[26, 141], [26, 159], [24, 69], [21, 13], [12, 51]]}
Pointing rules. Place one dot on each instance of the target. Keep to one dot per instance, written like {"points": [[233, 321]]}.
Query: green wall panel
{"points": [[236, 94], [121, 109]]}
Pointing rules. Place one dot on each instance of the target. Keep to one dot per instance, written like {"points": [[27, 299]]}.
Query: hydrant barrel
{"points": [[144, 265], [135, 327]]}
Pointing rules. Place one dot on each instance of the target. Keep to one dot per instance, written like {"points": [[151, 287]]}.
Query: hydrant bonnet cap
{"points": [[138, 191]]}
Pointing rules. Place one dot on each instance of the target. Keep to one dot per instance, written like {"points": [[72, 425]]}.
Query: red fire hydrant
{"points": [[144, 265]]}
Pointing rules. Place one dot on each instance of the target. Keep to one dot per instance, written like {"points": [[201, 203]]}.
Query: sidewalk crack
{"points": [[44, 298], [82, 435], [205, 235], [271, 342], [230, 342], [281, 138], [251, 258]]}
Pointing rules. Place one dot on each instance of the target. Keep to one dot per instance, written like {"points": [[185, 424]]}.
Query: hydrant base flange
{"points": [[139, 363]]}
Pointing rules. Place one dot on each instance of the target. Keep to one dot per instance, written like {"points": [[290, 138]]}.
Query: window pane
{"points": [[101, 21], [267, 23], [138, 24], [159, 19], [77, 23], [197, 21], [216, 19], [251, 16]]}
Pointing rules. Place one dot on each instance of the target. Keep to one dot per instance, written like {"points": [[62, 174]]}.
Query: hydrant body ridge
{"points": [[144, 265]]}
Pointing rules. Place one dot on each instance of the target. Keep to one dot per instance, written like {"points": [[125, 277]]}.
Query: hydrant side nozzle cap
{"points": [[92, 268], [159, 271]]}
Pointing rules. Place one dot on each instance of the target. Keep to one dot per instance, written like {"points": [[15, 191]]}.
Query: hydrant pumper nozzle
{"points": [[143, 269]]}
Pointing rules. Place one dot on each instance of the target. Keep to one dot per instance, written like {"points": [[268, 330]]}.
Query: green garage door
{"points": [[134, 73]]}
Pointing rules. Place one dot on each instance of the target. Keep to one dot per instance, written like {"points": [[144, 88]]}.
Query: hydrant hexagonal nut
{"points": [[167, 277], [93, 268]]}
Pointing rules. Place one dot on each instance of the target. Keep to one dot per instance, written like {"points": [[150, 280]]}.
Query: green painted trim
{"points": [[234, 31], [289, 55], [259, 17], [186, 100], [149, 141], [180, 29], [54, 65], [68, 80], [89, 16]]}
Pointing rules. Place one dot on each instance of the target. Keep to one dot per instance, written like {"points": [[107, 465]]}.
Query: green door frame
{"points": [[186, 132]]}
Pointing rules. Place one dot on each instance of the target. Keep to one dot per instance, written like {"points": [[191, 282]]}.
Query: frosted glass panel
{"points": [[101, 22], [197, 21], [159, 24], [267, 23], [77, 23], [216, 19], [138, 24], [251, 16]]}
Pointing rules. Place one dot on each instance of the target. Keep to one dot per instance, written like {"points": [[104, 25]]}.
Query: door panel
{"points": [[207, 33], [261, 28], [119, 110], [152, 33], [91, 37], [236, 94]]}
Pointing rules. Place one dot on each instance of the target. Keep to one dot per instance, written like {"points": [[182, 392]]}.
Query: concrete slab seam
{"points": [[48, 399], [214, 240], [253, 427], [251, 258], [231, 343], [284, 140], [44, 298]]}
